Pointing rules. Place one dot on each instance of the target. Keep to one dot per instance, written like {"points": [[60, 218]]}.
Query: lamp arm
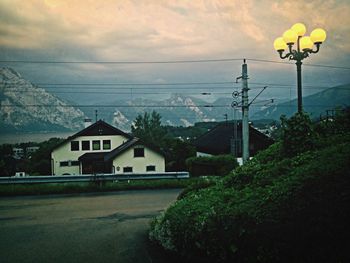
{"points": [[285, 56], [317, 48]]}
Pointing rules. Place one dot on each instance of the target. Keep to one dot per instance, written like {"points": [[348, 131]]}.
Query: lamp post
{"points": [[299, 47]]}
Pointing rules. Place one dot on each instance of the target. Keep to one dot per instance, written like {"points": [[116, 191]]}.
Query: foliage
{"points": [[40, 161], [297, 134], [190, 133], [282, 206], [7, 162], [201, 183], [148, 128], [340, 124], [257, 222], [176, 153], [211, 165]]}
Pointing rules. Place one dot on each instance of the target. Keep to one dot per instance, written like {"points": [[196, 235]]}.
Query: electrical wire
{"points": [[167, 62], [142, 106]]}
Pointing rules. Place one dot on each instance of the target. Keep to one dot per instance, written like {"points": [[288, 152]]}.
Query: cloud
{"points": [[117, 30]]}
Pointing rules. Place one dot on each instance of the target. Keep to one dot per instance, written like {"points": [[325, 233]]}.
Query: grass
{"points": [[70, 188]]}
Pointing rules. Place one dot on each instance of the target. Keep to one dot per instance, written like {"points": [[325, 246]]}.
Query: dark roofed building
{"points": [[220, 140]]}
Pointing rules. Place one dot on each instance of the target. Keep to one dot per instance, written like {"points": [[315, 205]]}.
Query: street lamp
{"points": [[302, 49]]}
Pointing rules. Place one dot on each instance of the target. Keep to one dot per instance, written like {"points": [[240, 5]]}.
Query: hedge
{"points": [[219, 165], [270, 210]]}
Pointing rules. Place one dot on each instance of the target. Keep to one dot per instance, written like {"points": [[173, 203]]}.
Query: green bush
{"points": [[200, 183], [219, 165], [298, 134], [270, 210]]}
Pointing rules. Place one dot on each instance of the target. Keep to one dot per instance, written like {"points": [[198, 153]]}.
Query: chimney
{"points": [[87, 122]]}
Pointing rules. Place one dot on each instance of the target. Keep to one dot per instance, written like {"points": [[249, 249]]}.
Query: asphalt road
{"points": [[103, 227]]}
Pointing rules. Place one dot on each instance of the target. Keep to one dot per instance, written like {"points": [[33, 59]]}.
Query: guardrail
{"points": [[92, 178]]}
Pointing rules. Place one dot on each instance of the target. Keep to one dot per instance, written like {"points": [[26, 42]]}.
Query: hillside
{"points": [[282, 206], [315, 104], [21, 111]]}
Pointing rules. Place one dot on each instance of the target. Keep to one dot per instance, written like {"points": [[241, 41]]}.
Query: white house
{"points": [[102, 148]]}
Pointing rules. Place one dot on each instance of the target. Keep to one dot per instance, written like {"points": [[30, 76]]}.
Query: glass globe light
{"points": [[318, 35], [290, 37], [306, 43], [299, 28], [279, 44]]}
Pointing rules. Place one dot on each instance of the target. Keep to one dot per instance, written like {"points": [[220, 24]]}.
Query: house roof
{"points": [[117, 151], [125, 146], [93, 156], [218, 140], [109, 156], [98, 128]]}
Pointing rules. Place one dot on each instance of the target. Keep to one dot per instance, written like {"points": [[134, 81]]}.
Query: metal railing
{"points": [[92, 178]]}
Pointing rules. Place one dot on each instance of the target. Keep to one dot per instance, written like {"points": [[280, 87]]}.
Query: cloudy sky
{"points": [[155, 30]]}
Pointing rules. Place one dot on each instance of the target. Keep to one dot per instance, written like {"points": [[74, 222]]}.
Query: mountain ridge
{"points": [[315, 104], [21, 109], [16, 94]]}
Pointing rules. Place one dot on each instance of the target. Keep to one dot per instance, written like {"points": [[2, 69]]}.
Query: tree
{"points": [[7, 162], [40, 161], [177, 153], [149, 129], [298, 134]]}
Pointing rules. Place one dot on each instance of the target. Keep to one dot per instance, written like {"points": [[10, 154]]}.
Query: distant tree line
{"points": [[37, 163]]}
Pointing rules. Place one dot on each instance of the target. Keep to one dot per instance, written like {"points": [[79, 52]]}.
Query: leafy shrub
{"points": [[270, 210], [297, 134], [198, 184], [214, 165]]}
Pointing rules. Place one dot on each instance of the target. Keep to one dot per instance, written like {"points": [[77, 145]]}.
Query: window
{"points": [[65, 163], [127, 169], [85, 145], [69, 163], [74, 146], [139, 152], [106, 144], [96, 145], [150, 168]]}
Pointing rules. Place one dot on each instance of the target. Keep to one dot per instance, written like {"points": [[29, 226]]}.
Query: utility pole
{"points": [[226, 118], [96, 115], [245, 113], [234, 105]]}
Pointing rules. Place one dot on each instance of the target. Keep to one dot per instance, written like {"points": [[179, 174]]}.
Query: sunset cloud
{"points": [[122, 30]]}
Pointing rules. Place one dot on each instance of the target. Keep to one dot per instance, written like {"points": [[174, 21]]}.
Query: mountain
{"points": [[315, 104], [178, 110], [17, 93], [21, 111]]}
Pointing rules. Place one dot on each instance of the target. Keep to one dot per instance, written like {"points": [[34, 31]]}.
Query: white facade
{"points": [[64, 153], [151, 162], [86, 153]]}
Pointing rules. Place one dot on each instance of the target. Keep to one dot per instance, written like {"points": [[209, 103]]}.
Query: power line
{"points": [[121, 62], [146, 106], [291, 63], [205, 91], [136, 84], [167, 62], [116, 106], [118, 85], [126, 93]]}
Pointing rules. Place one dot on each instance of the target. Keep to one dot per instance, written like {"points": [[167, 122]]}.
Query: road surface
{"points": [[103, 227]]}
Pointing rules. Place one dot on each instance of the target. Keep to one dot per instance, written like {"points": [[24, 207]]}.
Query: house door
{"points": [[99, 167], [87, 168]]}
